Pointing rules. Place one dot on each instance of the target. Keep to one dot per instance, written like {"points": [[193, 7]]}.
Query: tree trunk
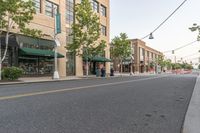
{"points": [[6, 49], [87, 67], [121, 66]]}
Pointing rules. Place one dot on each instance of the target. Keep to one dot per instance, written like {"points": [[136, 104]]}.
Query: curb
{"points": [[42, 81], [60, 80], [192, 118]]}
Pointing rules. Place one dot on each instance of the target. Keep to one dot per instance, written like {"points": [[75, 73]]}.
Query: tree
{"points": [[199, 66], [152, 64], [196, 27], [188, 66], [16, 15], [121, 48], [168, 64], [161, 62], [86, 33]]}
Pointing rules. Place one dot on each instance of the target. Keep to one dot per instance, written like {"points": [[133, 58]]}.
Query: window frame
{"points": [[51, 6], [103, 12], [95, 6], [37, 6], [103, 30]]}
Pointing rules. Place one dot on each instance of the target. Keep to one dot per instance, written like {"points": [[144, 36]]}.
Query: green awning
{"points": [[128, 59], [38, 52], [98, 59]]}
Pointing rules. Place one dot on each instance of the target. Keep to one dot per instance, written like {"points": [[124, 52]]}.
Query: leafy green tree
{"points": [[188, 66], [176, 66], [86, 33], [161, 62], [121, 48], [196, 27], [199, 66], [16, 15]]}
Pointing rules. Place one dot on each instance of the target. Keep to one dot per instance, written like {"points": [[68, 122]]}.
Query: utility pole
{"points": [[0, 51], [57, 29], [131, 69], [173, 52], [0, 57]]}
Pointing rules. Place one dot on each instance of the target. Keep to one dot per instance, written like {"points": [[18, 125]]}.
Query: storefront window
{"points": [[36, 66], [70, 64]]}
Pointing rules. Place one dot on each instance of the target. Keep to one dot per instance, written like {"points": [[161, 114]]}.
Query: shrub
{"points": [[11, 73]]}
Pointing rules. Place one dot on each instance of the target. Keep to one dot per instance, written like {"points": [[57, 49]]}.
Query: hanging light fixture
{"points": [[151, 36]]}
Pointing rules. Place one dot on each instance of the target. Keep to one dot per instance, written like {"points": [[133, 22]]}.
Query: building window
{"points": [[37, 5], [103, 10], [51, 8], [69, 15], [69, 37], [103, 30], [95, 6]]}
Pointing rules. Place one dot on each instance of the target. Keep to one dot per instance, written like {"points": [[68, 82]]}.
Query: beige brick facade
{"points": [[143, 56], [45, 23]]}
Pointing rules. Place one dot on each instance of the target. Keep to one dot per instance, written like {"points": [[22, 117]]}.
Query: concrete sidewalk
{"points": [[49, 79], [192, 118], [38, 80]]}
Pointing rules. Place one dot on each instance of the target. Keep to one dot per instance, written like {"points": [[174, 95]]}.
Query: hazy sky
{"points": [[138, 18]]}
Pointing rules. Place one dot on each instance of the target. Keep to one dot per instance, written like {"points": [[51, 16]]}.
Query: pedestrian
{"points": [[97, 71], [103, 72], [111, 72]]}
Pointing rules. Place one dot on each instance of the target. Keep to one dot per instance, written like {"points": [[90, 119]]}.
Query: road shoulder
{"points": [[192, 118]]}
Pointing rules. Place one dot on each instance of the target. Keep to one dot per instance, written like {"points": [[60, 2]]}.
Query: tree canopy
{"points": [[86, 32], [194, 28], [17, 14], [121, 47]]}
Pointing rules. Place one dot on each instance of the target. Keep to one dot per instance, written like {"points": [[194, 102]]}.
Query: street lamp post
{"points": [[0, 58], [131, 70], [57, 43], [0, 52]]}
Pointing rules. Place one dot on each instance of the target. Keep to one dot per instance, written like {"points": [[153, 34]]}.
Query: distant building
{"points": [[143, 58]]}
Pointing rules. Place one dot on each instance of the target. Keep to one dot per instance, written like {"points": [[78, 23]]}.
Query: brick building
{"points": [[36, 56], [141, 59]]}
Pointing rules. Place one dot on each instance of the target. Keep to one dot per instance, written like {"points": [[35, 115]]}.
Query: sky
{"points": [[138, 18]]}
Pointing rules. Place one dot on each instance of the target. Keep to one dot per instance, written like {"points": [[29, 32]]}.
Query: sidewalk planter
{"points": [[11, 73]]}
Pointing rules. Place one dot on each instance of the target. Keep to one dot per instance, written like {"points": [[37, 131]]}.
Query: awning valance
{"points": [[98, 59], [34, 41], [38, 52]]}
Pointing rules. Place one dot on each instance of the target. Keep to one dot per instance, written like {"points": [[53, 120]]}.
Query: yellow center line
{"points": [[69, 89]]}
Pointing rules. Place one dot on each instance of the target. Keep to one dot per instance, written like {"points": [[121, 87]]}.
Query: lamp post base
{"points": [[56, 75], [131, 73]]}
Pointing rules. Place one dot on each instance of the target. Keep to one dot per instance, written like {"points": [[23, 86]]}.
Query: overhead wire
{"points": [[165, 19], [183, 46]]}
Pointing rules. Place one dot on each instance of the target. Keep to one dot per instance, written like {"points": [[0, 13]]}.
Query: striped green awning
{"points": [[98, 59], [38, 52]]}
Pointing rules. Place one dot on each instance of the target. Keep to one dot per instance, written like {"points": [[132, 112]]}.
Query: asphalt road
{"points": [[147, 104]]}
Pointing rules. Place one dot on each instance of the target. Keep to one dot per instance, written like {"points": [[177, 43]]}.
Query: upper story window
{"points": [[51, 8], [103, 10], [69, 15], [103, 30], [95, 6], [37, 4]]}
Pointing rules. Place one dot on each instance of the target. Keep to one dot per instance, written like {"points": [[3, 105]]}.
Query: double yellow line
{"points": [[70, 89]]}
